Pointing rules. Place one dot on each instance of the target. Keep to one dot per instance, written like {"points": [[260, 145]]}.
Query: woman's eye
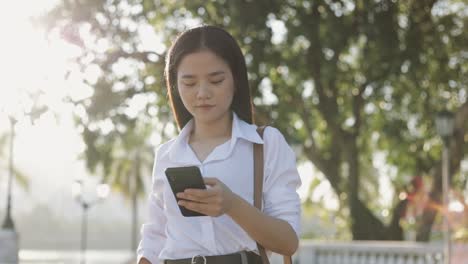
{"points": [[189, 84], [217, 81]]}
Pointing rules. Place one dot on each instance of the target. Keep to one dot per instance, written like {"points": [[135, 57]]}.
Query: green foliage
{"points": [[342, 80]]}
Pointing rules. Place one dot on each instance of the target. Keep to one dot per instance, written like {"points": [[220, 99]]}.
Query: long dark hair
{"points": [[221, 43]]}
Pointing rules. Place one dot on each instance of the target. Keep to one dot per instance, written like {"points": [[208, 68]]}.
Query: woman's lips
{"points": [[205, 106]]}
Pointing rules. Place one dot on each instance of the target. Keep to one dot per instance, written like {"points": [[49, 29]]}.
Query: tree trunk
{"points": [[359, 227], [394, 230], [365, 225]]}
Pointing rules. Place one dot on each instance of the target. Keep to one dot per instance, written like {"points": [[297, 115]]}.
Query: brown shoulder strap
{"points": [[258, 190], [258, 170]]}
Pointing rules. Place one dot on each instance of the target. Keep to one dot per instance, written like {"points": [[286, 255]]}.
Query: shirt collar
{"points": [[242, 129], [181, 152]]}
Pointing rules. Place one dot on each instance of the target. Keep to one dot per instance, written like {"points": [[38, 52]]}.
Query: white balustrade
{"points": [[366, 252]]}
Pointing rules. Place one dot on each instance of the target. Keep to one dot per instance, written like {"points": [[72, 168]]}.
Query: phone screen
{"points": [[181, 178]]}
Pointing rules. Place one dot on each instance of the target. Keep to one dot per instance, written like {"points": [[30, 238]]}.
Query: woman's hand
{"points": [[214, 201], [144, 261]]}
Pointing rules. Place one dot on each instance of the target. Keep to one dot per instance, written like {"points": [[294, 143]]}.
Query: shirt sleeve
{"points": [[281, 180], [153, 232]]}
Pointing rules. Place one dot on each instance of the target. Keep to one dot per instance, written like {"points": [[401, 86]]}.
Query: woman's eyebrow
{"points": [[187, 76], [216, 73], [211, 74]]}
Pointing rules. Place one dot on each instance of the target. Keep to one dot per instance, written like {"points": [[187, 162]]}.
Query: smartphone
{"points": [[181, 178]]}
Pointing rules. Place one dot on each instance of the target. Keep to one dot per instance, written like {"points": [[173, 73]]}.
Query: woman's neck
{"points": [[220, 129]]}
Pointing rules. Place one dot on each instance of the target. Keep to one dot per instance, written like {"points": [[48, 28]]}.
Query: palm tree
{"points": [[128, 173], [8, 139], [126, 161], [12, 172], [18, 175], [5, 140]]}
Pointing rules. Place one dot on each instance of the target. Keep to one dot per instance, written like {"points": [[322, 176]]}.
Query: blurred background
{"points": [[83, 105]]}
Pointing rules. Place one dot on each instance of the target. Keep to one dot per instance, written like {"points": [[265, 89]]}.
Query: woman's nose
{"points": [[203, 91]]}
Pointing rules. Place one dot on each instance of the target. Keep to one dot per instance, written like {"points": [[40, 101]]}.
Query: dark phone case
{"points": [[181, 178]]}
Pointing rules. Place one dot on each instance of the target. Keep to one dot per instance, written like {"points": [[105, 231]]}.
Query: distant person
{"points": [[206, 78]]}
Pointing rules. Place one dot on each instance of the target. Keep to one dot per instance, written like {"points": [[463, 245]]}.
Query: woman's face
{"points": [[206, 86]]}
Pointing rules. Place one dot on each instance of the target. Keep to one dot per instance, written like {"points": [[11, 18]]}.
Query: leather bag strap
{"points": [[258, 191]]}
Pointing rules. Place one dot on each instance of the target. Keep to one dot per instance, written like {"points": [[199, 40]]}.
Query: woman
{"points": [[206, 78]]}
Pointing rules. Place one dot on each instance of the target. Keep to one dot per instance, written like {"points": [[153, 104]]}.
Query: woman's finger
{"points": [[202, 198], [211, 181], [202, 193], [197, 207]]}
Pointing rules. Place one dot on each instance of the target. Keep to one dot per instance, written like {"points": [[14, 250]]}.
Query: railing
{"points": [[73, 257], [369, 252], [310, 251]]}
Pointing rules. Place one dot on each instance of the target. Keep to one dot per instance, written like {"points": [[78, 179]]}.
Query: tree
{"points": [[6, 137], [4, 166], [363, 77]]}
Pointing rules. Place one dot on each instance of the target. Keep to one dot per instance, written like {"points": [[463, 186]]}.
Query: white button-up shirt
{"points": [[170, 235]]}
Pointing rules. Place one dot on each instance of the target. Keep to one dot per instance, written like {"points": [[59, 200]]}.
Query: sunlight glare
{"points": [[456, 206], [31, 63]]}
